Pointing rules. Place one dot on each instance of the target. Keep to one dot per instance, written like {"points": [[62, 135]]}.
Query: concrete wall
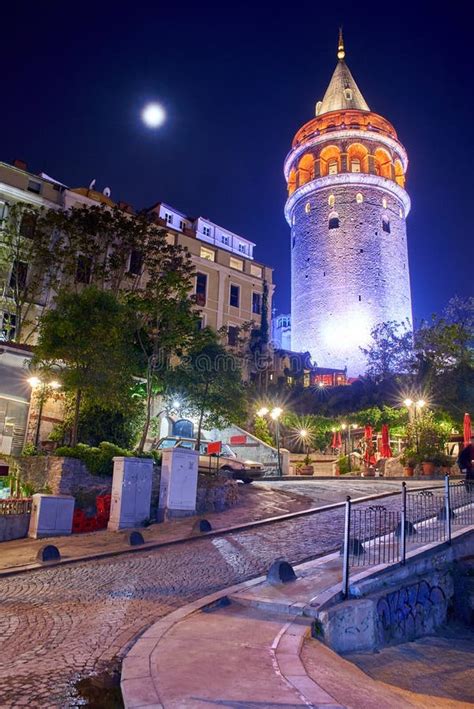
{"points": [[13, 526], [398, 603]]}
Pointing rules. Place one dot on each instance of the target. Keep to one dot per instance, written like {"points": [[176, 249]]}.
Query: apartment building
{"points": [[229, 283]]}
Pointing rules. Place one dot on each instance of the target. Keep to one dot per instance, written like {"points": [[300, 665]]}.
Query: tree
{"points": [[89, 337], [209, 381], [391, 351], [28, 268], [167, 319]]}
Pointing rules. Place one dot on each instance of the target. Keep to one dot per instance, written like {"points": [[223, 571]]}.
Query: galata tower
{"points": [[346, 207]]}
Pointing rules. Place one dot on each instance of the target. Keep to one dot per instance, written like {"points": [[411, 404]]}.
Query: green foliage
{"points": [[262, 431], [390, 352], [98, 460], [88, 337], [427, 437], [29, 449], [210, 384], [343, 464]]}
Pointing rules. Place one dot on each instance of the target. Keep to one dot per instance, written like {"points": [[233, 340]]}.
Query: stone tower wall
{"points": [[347, 280]]}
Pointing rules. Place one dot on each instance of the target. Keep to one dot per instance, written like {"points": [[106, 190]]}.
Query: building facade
{"points": [[281, 331], [346, 208]]}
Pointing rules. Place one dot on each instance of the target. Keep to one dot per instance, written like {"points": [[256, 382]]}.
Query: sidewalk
{"points": [[256, 503], [250, 646]]}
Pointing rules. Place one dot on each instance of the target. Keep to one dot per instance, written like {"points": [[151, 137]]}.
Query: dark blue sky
{"points": [[237, 81]]}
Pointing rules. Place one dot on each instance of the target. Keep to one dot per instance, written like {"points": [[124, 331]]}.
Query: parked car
{"points": [[227, 463]]}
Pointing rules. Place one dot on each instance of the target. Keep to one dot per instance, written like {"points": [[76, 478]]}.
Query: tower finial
{"points": [[340, 47]]}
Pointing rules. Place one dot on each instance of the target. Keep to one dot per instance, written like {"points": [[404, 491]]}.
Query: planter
{"points": [[409, 471], [307, 470], [428, 468]]}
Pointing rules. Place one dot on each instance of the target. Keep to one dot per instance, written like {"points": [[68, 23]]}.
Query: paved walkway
{"points": [[246, 654]]}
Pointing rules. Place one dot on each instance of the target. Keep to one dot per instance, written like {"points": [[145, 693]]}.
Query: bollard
{"points": [[202, 525], [135, 539], [281, 571], [403, 524], [48, 552], [448, 510]]}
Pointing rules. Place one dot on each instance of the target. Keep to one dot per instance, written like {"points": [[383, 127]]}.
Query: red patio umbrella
{"points": [[385, 450], [467, 429], [336, 440], [369, 456]]}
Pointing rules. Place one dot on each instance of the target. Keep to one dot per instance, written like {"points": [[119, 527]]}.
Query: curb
{"points": [[151, 546]]}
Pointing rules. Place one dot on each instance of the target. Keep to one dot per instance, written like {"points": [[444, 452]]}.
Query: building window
{"points": [[401, 213], [293, 241], [384, 203], [83, 269], [225, 240], [182, 225], [242, 248], [232, 335], [348, 94], [8, 326], [359, 198], [236, 263], [168, 218], [135, 263], [386, 225], [28, 224], [18, 275], [255, 270], [331, 200], [201, 288], [208, 254], [360, 298], [3, 211], [206, 230], [333, 222], [34, 186], [234, 296], [332, 167], [257, 303], [201, 323], [307, 208], [355, 165]]}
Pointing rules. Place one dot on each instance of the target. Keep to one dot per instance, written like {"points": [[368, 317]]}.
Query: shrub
{"points": [[343, 464], [98, 460]]}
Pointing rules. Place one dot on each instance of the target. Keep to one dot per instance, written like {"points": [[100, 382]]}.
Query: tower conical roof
{"points": [[342, 92]]}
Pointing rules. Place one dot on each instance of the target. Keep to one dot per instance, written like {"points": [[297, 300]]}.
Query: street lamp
{"points": [[275, 414], [305, 437], [37, 384]]}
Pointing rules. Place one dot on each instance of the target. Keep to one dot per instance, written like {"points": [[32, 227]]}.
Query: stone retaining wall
{"points": [[13, 526], [60, 475]]}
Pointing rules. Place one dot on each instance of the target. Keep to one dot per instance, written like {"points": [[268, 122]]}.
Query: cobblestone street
{"points": [[61, 624]]}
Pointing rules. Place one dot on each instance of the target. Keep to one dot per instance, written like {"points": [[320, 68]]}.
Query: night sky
{"points": [[237, 81]]}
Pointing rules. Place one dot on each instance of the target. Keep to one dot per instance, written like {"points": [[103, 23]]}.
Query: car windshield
{"points": [[227, 450]]}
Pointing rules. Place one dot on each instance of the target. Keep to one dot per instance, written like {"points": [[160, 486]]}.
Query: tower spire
{"points": [[340, 46]]}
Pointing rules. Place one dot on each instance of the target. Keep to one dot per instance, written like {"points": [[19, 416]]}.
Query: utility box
{"points": [[131, 492], [51, 515], [178, 484]]}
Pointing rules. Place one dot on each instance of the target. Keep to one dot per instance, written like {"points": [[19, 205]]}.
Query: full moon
{"points": [[153, 115]]}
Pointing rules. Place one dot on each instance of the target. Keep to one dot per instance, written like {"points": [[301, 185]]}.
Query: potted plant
{"points": [[408, 459], [299, 468], [307, 468], [428, 465]]}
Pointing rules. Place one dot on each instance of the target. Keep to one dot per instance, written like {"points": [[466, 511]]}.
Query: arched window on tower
{"points": [[306, 169], [331, 200], [355, 165], [386, 224], [333, 222], [359, 198], [332, 167], [291, 182]]}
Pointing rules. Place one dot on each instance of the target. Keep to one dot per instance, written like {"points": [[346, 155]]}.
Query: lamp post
{"points": [[414, 410], [42, 387], [275, 414], [304, 436]]}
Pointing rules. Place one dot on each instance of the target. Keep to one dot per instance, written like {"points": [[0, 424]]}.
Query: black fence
{"points": [[377, 535]]}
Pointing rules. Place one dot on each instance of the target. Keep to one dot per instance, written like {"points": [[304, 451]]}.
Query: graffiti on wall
{"points": [[410, 612]]}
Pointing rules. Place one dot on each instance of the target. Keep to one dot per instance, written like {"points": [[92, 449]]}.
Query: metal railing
{"points": [[376, 535], [15, 506]]}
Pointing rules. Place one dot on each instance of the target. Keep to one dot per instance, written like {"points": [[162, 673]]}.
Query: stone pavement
{"points": [[60, 624]]}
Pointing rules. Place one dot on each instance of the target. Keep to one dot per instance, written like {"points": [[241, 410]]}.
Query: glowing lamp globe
{"points": [[153, 115]]}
